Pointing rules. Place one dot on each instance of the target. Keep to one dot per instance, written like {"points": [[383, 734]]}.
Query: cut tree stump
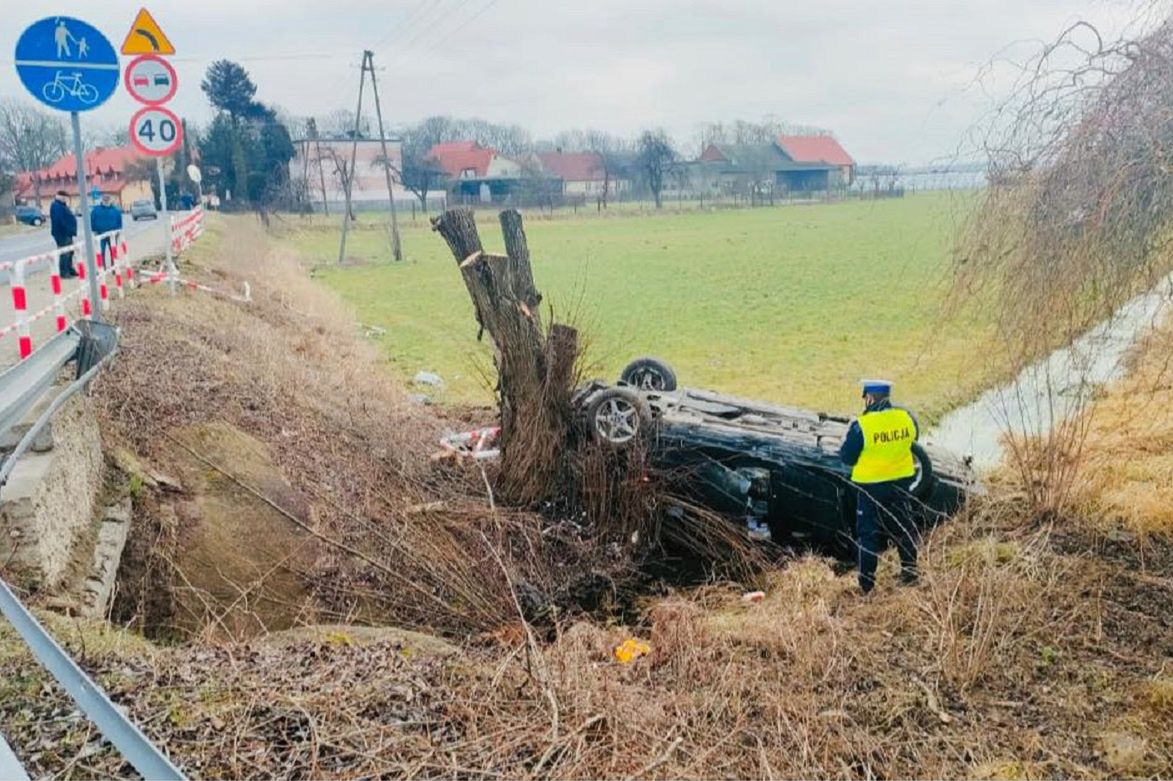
{"points": [[535, 368]]}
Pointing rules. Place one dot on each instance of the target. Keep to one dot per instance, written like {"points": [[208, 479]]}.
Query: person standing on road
{"points": [[104, 218], [878, 448], [63, 226]]}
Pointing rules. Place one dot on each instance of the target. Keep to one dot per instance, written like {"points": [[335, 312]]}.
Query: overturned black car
{"points": [[775, 469]]}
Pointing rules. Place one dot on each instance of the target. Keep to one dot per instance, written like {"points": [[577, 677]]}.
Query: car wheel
{"points": [[38, 222], [649, 373], [922, 481], [617, 417]]}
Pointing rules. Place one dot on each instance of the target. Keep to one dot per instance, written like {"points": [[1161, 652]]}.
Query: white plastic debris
{"points": [[428, 378]]}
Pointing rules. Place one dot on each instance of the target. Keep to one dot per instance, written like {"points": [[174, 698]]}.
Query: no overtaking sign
{"points": [[151, 80]]}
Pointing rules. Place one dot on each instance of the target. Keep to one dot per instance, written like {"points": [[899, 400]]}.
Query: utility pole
{"points": [[312, 129], [348, 179], [369, 62]]}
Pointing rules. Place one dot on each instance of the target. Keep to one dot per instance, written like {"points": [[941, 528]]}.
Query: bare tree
{"points": [[30, 140], [341, 172], [741, 131], [418, 171], [1073, 224], [655, 159], [339, 123], [614, 155]]}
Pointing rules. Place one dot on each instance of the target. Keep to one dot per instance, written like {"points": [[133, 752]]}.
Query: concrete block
{"points": [[112, 535], [44, 439], [49, 499], [118, 513]]}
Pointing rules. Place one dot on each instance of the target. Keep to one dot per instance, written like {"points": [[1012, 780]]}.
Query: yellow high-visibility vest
{"points": [[887, 447]]}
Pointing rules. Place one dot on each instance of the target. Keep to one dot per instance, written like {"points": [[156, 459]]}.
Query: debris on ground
{"points": [[630, 650], [428, 378]]}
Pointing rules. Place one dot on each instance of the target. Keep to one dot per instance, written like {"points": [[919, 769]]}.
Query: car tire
{"points": [[922, 486], [617, 417], [38, 222], [648, 373]]}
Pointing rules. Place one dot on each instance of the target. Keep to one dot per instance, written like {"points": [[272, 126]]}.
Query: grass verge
{"points": [[792, 304]]}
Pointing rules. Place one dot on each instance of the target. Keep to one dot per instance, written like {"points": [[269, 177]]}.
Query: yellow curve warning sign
{"points": [[146, 37]]}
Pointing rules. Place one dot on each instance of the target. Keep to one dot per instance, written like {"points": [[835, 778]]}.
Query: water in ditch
{"points": [[1046, 393]]}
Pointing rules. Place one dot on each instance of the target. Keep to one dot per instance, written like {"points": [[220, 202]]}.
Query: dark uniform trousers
{"points": [[885, 509]]}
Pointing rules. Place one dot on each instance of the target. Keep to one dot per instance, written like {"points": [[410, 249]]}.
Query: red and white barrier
{"points": [[186, 229], [245, 297], [479, 444], [20, 303], [65, 304]]}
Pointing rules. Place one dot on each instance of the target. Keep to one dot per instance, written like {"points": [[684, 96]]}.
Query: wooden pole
{"points": [[348, 177], [396, 250], [313, 130]]}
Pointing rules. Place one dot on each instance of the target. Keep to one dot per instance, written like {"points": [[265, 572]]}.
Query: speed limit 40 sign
{"points": [[156, 131]]}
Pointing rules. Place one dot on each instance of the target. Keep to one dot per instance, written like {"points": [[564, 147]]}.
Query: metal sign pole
{"points": [[166, 225], [84, 202]]}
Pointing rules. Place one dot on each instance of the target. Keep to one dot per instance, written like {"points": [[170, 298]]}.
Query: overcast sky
{"points": [[894, 80]]}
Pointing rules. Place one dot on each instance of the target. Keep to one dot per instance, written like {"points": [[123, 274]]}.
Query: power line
{"points": [[470, 20], [403, 25], [264, 57], [423, 44], [422, 32]]}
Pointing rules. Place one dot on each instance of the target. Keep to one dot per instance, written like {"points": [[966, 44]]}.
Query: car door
{"points": [[810, 505]]}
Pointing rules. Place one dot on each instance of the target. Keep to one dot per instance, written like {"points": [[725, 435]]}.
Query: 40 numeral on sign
{"points": [[156, 131]]}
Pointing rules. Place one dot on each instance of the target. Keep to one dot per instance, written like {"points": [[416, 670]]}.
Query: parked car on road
{"points": [[29, 215], [774, 469], [143, 210]]}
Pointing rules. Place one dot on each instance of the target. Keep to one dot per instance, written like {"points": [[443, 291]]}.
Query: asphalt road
{"points": [[143, 239], [37, 240]]}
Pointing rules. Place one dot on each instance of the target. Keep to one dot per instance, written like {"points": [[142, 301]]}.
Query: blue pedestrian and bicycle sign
{"points": [[67, 64]]}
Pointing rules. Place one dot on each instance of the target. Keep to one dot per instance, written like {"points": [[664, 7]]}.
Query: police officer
{"points": [[878, 448]]}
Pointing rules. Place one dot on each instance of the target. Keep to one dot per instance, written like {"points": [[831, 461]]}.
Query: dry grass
{"points": [[1030, 650], [1021, 655], [1126, 475], [396, 538], [289, 371]]}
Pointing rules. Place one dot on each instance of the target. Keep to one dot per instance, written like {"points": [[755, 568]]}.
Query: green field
{"points": [[792, 304]]}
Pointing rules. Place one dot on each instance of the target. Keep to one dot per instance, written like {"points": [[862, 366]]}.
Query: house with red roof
{"points": [[819, 150], [791, 164], [470, 160], [582, 173], [109, 169], [478, 173]]}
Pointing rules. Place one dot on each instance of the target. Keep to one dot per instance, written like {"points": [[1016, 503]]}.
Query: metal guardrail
{"points": [[10, 766], [90, 345], [23, 384], [113, 724]]}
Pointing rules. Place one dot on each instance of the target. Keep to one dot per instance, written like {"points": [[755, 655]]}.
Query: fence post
{"points": [[20, 305], [115, 256], [58, 306], [125, 253], [86, 307], [100, 265]]}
